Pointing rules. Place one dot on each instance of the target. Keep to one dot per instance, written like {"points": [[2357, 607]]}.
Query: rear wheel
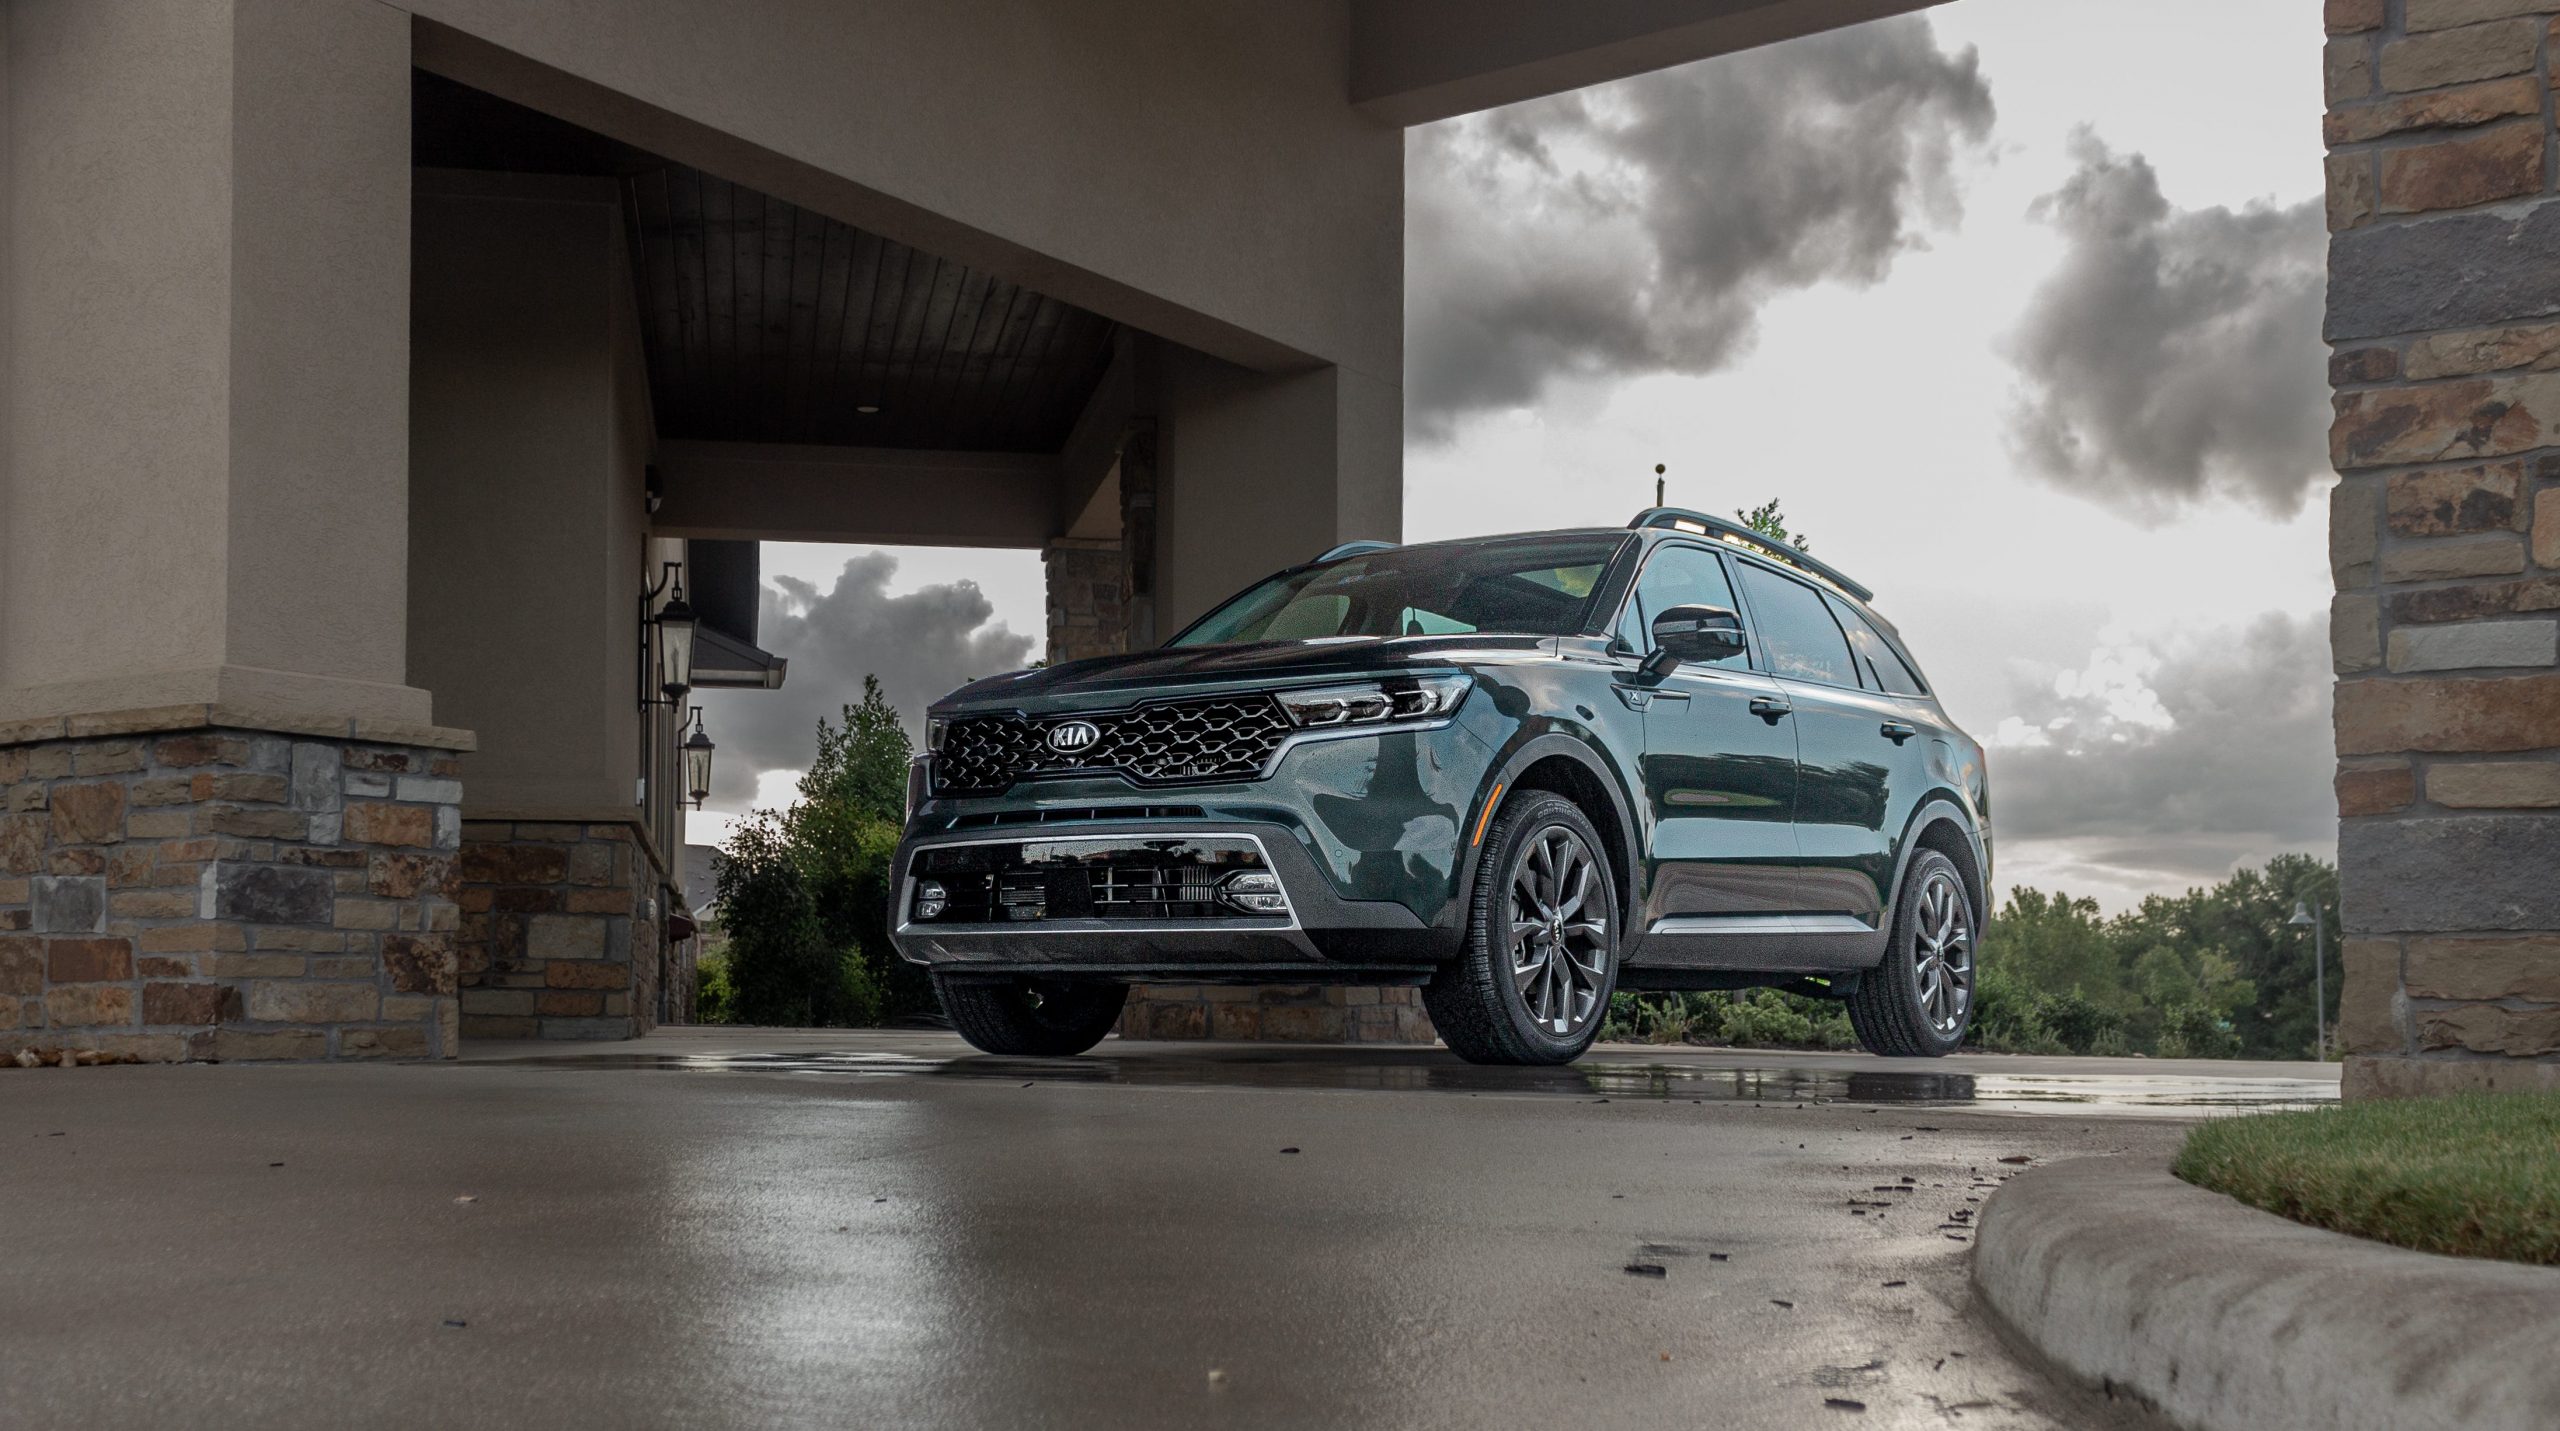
{"points": [[1918, 1002], [1044, 1018], [1532, 984]]}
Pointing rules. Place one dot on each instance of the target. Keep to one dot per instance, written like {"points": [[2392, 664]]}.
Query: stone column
{"points": [[1088, 598], [2444, 314], [212, 893]]}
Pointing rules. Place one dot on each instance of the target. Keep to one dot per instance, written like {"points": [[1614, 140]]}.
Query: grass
{"points": [[2472, 1176]]}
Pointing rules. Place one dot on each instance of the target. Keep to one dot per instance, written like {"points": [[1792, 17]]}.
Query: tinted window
{"points": [[1882, 661], [1676, 576], [1803, 641], [1536, 587]]}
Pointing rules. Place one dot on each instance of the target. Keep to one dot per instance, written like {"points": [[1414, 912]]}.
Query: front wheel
{"points": [[1532, 983], [1039, 1018], [1917, 1003]]}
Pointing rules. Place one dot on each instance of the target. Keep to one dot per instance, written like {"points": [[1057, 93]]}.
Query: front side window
{"points": [[1677, 576], [1538, 586], [1804, 643]]}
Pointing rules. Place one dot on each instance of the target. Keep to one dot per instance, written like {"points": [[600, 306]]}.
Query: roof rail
{"points": [[1682, 519], [1355, 549]]}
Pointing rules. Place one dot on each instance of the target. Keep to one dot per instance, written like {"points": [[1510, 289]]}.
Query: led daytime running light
{"points": [[1373, 702]]}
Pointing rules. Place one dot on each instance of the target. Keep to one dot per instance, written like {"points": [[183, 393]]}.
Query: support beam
{"points": [[783, 492], [1414, 61], [840, 106]]}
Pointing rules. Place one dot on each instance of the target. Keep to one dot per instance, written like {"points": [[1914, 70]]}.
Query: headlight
{"points": [[931, 900], [934, 726], [1374, 702]]}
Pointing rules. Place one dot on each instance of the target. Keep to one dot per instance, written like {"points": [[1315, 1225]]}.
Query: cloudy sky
{"points": [[2016, 308]]}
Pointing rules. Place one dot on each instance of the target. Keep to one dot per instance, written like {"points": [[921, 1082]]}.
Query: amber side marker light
{"points": [[1481, 820]]}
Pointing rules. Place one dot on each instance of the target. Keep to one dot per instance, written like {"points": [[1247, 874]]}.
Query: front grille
{"points": [[1220, 738]]}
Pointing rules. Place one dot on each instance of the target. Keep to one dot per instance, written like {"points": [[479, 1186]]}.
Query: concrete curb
{"points": [[2226, 1318]]}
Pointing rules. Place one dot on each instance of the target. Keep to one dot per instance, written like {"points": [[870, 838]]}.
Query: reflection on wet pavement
{"points": [[1606, 1075]]}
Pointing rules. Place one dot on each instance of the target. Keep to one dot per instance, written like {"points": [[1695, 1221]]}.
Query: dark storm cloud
{"points": [[921, 645], [1639, 227], [2175, 354], [2169, 761]]}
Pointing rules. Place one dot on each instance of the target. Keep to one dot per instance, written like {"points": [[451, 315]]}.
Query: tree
{"points": [[811, 943], [1769, 522]]}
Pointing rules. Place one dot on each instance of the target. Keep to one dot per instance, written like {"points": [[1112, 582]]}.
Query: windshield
{"points": [[1533, 586]]}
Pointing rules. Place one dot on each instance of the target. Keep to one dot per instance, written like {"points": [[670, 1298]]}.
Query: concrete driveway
{"points": [[726, 1229]]}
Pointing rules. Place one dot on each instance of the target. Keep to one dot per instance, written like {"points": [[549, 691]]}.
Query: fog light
{"points": [[1254, 892], [931, 899]]}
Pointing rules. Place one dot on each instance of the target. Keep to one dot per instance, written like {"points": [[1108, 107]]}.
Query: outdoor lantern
{"points": [[675, 646], [697, 761]]}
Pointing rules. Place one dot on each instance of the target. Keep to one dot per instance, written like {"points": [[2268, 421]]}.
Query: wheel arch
{"points": [[1940, 824], [1563, 765]]}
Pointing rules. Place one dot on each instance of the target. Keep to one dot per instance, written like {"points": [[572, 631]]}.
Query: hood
{"points": [[1109, 680]]}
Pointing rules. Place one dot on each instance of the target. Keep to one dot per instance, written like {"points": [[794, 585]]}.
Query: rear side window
{"points": [[1804, 643], [1887, 666], [1676, 576]]}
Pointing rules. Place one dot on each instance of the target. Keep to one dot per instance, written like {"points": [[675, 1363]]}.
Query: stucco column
{"points": [[206, 258], [2444, 312]]}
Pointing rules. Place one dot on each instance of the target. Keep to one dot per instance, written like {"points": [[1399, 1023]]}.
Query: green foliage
{"points": [[1769, 522], [2212, 973], [715, 999], [2468, 1176], [805, 892], [1747, 1018]]}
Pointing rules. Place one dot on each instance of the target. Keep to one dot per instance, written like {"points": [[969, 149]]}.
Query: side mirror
{"points": [[1694, 633]]}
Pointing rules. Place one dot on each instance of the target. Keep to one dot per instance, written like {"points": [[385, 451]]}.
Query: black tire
{"points": [[1888, 1008], [1038, 1018], [1477, 1001]]}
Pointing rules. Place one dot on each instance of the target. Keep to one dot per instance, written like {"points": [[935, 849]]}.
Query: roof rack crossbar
{"points": [[1684, 519], [1355, 549]]}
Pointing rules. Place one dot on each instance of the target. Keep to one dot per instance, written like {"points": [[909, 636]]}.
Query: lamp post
{"points": [[2316, 915], [697, 761]]}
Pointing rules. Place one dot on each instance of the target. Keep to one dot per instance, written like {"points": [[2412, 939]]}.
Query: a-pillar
{"points": [[229, 820], [2444, 315]]}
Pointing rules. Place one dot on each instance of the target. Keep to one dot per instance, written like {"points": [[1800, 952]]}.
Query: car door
{"points": [[1855, 749], [1719, 766]]}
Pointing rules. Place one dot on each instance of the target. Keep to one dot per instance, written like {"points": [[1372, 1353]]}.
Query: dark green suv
{"points": [[1521, 772]]}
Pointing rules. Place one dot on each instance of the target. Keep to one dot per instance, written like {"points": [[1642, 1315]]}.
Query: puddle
{"points": [[2135, 1091]]}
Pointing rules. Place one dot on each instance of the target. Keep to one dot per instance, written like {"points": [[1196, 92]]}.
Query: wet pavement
{"points": [[736, 1229]]}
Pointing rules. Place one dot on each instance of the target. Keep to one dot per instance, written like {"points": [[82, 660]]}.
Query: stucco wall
{"points": [[206, 282], [526, 504]]}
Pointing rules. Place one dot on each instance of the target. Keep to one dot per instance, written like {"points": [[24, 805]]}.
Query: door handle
{"points": [[1898, 732], [1769, 708]]}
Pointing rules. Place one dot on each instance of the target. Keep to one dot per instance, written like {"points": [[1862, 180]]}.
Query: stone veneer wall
{"points": [[1281, 1013], [2444, 317], [560, 931], [224, 894], [1088, 599]]}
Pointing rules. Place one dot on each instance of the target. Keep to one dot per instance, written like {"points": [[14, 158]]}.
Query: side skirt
{"points": [[1756, 944]]}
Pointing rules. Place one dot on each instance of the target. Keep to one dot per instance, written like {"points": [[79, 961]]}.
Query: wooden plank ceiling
{"points": [[766, 322]]}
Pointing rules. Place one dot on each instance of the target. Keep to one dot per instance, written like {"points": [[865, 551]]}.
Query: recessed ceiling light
{"points": [[866, 407]]}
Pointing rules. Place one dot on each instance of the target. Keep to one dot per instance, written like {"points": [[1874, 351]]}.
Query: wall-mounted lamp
{"points": [[671, 672], [697, 761]]}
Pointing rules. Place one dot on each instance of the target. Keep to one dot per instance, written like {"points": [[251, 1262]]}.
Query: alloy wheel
{"points": [[1942, 953], [1559, 932]]}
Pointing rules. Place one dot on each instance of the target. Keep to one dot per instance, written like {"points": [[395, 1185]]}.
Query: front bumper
{"points": [[1324, 937]]}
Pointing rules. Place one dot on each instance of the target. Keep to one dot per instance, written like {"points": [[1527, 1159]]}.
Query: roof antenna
{"points": [[1657, 484]]}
